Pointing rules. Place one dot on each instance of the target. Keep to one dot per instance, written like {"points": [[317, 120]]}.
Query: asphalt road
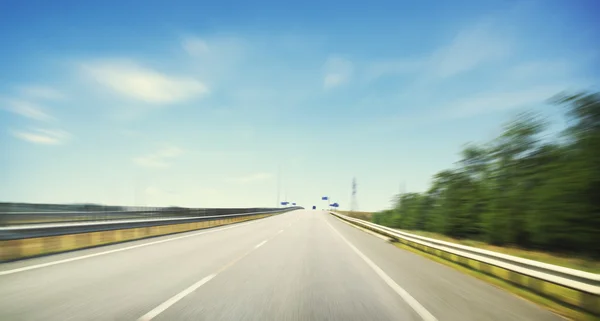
{"points": [[302, 265]]}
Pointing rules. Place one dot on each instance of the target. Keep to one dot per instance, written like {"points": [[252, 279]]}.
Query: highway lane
{"points": [[302, 265]]}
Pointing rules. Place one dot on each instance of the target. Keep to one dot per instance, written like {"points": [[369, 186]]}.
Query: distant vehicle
{"points": [[314, 207]]}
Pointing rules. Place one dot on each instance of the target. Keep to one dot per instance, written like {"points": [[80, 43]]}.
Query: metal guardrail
{"points": [[571, 274], [130, 219], [570, 278], [22, 218]]}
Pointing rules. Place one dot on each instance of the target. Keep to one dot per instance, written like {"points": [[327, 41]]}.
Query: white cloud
{"points": [[338, 71], [194, 46], [469, 49], [147, 85], [472, 106], [219, 59], [41, 92], [159, 159], [26, 106], [27, 109], [215, 49], [42, 136], [169, 152], [392, 67], [491, 102], [253, 178], [333, 80], [544, 69]]}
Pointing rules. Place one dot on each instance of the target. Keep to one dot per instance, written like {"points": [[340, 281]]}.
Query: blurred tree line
{"points": [[519, 189]]}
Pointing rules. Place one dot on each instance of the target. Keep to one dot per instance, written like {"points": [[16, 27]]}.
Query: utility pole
{"points": [[278, 185], [402, 191], [354, 203]]}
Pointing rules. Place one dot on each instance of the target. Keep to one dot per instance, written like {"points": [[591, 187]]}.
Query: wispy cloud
{"points": [[27, 109], [469, 49], [35, 112], [42, 136], [159, 159], [544, 69], [253, 178], [214, 49], [136, 82], [195, 46], [338, 71], [218, 59], [41, 92], [383, 68], [484, 103]]}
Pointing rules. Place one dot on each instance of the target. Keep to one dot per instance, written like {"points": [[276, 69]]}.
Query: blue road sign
{"points": [[324, 198]]}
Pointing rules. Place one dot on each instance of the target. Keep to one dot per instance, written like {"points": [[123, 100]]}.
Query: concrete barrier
{"points": [[15, 249]]}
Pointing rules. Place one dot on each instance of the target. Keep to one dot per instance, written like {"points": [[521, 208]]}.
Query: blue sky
{"points": [[197, 103]]}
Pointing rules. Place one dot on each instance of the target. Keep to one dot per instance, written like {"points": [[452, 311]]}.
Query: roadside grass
{"points": [[573, 262], [360, 215]]}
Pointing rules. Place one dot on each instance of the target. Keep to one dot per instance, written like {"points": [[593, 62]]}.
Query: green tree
{"points": [[519, 188]]}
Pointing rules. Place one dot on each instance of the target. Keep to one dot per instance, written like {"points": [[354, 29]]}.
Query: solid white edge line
{"points": [[412, 302], [165, 305], [38, 266]]}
